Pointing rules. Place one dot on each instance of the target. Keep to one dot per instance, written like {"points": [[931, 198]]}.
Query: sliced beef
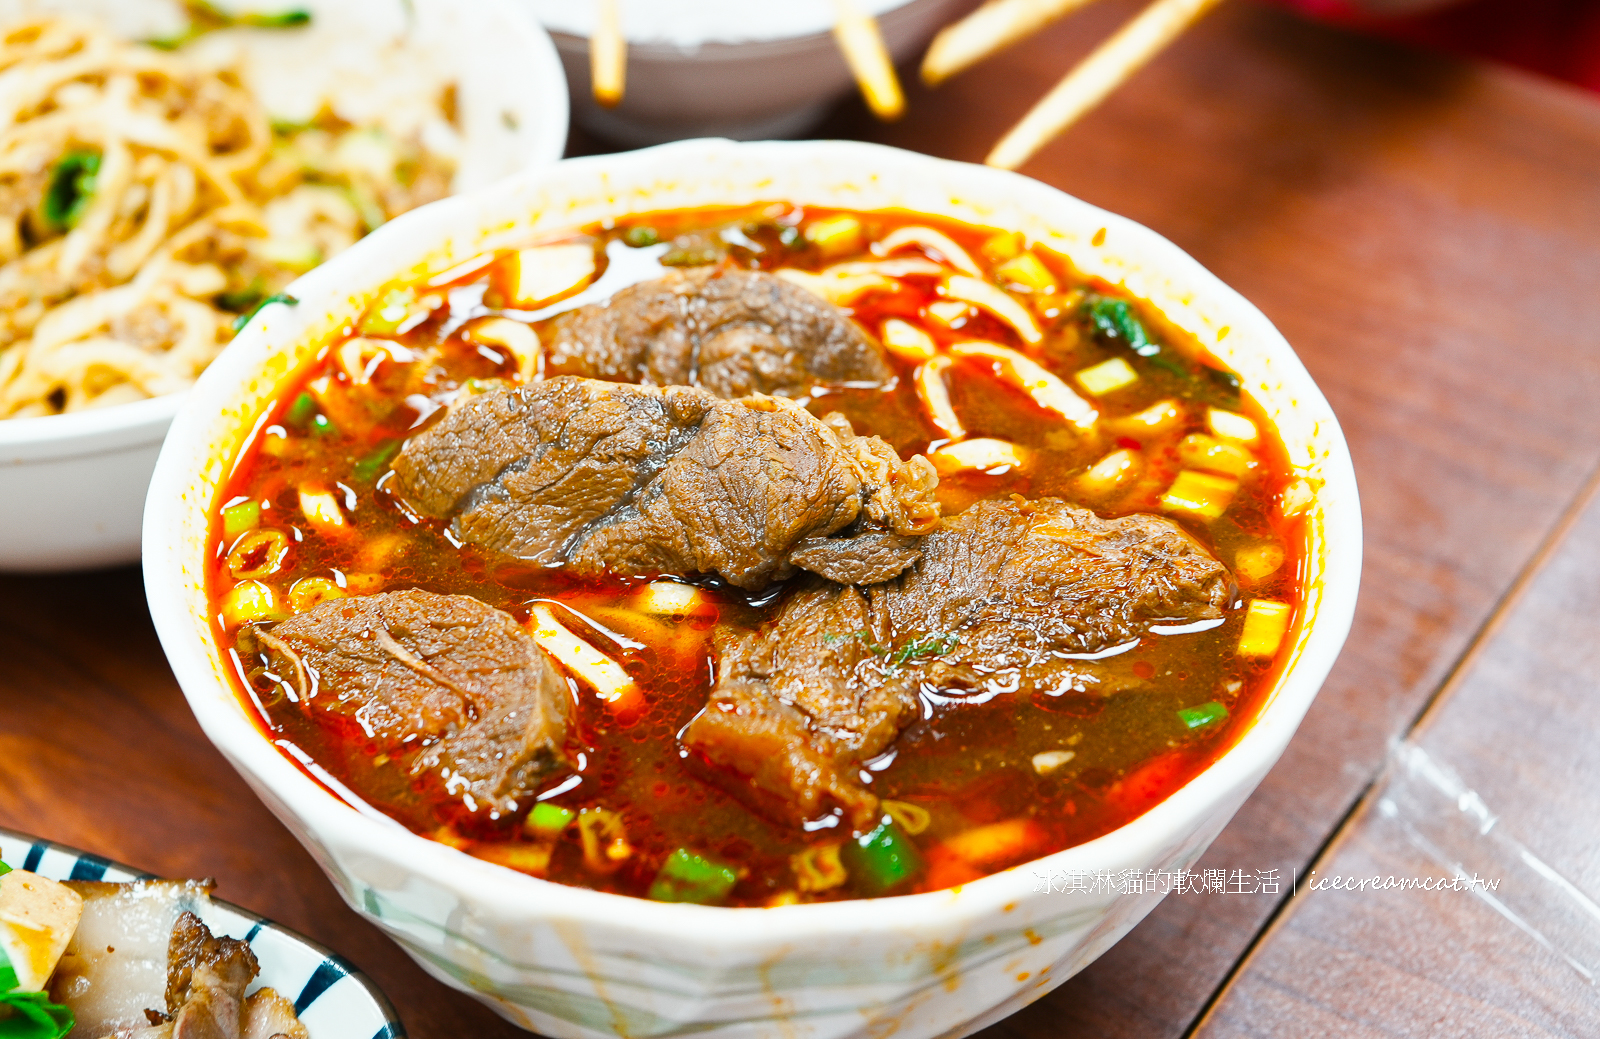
{"points": [[440, 684], [1005, 596], [732, 332], [798, 706], [603, 477]]}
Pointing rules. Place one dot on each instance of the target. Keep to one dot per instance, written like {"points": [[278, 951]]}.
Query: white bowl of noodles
{"points": [[151, 196]]}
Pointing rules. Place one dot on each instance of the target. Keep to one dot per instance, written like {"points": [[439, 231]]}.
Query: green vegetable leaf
{"points": [[280, 297], [33, 1016], [8, 973], [1204, 716], [4, 869], [1114, 319], [687, 877], [72, 184]]}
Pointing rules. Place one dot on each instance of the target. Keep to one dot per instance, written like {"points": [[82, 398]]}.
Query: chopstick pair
{"points": [[1000, 23], [856, 33]]}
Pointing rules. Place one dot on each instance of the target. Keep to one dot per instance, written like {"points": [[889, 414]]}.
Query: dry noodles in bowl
{"points": [[167, 168]]}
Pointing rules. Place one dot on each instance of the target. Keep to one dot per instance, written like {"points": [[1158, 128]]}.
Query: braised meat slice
{"points": [[440, 684], [206, 979], [732, 332], [605, 477], [1005, 596], [799, 705]]}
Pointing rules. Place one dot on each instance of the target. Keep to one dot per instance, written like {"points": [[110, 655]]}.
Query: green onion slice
{"points": [[72, 184], [549, 820], [370, 466], [1204, 715], [688, 877], [277, 297], [883, 859], [301, 410]]}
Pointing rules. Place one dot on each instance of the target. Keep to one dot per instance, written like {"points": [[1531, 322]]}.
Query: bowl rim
{"points": [[141, 422], [1229, 778]]}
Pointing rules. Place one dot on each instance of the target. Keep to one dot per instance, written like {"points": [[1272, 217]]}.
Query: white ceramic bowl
{"points": [[72, 487], [732, 68], [572, 962]]}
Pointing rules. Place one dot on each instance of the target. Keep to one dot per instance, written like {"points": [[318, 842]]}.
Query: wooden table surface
{"points": [[1427, 234]]}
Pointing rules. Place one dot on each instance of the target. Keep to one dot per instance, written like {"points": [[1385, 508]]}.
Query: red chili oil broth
{"points": [[967, 762]]}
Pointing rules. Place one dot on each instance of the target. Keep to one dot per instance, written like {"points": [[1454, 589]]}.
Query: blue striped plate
{"points": [[334, 1001]]}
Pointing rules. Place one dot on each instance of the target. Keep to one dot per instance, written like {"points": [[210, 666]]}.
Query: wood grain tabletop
{"points": [[1426, 233]]}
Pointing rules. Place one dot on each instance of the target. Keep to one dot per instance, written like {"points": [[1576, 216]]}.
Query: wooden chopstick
{"points": [[1096, 76], [608, 55], [994, 26], [861, 42]]}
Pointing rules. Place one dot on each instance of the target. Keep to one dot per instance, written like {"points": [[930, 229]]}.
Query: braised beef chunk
{"points": [[1003, 597], [206, 979], [798, 705], [732, 332], [603, 477], [441, 684], [1020, 582]]}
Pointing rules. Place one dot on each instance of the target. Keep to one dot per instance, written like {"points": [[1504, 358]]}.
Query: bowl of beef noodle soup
{"points": [[755, 586]]}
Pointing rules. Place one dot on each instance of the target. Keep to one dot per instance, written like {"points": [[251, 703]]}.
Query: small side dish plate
{"points": [[332, 998]]}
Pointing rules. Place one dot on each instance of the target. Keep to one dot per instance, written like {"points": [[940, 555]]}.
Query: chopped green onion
{"points": [[1114, 319], [236, 519], [548, 820], [245, 298], [323, 426], [640, 237], [33, 1016], [936, 644], [883, 859], [207, 17], [1225, 382], [277, 297], [369, 467], [72, 184], [687, 877], [1204, 715], [301, 410], [283, 20]]}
